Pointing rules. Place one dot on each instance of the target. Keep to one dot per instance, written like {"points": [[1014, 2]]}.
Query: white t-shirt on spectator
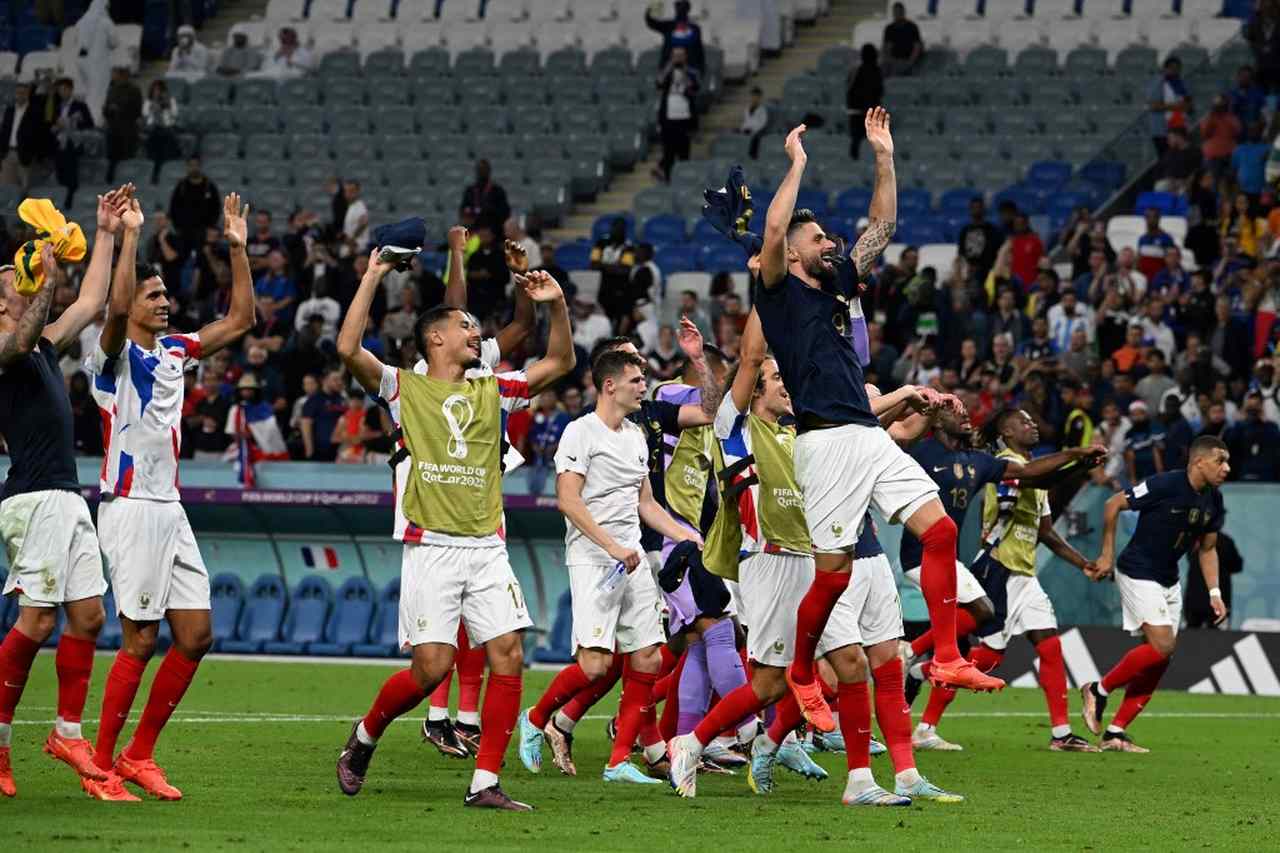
{"points": [[351, 225], [1161, 336], [678, 106], [587, 332], [1061, 327], [614, 465], [325, 306]]}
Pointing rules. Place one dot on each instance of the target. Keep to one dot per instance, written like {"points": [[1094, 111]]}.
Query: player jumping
{"points": [[450, 519], [54, 560], [155, 565], [1177, 510]]}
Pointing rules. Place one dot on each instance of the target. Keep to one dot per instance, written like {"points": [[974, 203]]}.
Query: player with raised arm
{"points": [[54, 559], [1015, 521], [603, 491], [449, 517], [1177, 511], [155, 565], [844, 460]]}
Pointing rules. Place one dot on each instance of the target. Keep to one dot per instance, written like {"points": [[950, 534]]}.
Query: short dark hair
{"points": [[605, 345], [143, 271], [1206, 444], [800, 216], [426, 320], [995, 426], [612, 364]]}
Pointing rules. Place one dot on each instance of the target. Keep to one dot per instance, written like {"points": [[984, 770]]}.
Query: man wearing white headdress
{"points": [[93, 66]]}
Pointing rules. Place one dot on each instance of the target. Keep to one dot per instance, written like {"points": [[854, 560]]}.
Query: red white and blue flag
{"points": [[257, 438], [320, 557]]}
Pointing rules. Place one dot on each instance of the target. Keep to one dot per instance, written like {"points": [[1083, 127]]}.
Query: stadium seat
{"points": [[307, 617], [1049, 173], [262, 616], [559, 647], [1104, 173], [384, 634], [227, 598], [1166, 203], [678, 258], [722, 255], [663, 229]]}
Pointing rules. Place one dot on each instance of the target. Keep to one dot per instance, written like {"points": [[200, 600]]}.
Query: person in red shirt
{"points": [[1027, 250]]}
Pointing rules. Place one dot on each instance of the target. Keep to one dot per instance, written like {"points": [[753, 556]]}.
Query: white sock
{"points": [[362, 735], [655, 752], [908, 777], [792, 738], [437, 715], [1115, 730], [860, 779], [1061, 731], [926, 729], [6, 733], [469, 718], [67, 730], [1102, 691], [482, 779], [565, 724], [747, 733], [764, 744], [694, 745]]}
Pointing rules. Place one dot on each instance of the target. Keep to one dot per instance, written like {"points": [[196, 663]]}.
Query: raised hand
{"points": [[540, 286], [458, 237], [53, 274], [877, 126], [131, 214], [517, 258], [794, 146], [377, 266], [109, 209], [235, 225], [689, 338]]}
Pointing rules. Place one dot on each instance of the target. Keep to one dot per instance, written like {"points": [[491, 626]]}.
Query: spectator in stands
{"points": [[1007, 319], [1078, 357], [190, 59], [1089, 235], [160, 118], [164, 248], [320, 416], [646, 278], [70, 116], [690, 307], [398, 324], [351, 431], [487, 274], [755, 121], [1219, 132], [24, 137], [1152, 387], [271, 383], [678, 83], [1215, 421], [1241, 229], [589, 325], [194, 207], [666, 360], [918, 365], [276, 294], [1263, 35], [290, 58], [1093, 279], [240, 58], [1152, 244], [1039, 347], [513, 229], [1171, 281], [484, 201], [322, 306], [1246, 99], [863, 90], [1026, 250], [678, 33], [1178, 164], [261, 242], [545, 429], [1168, 101], [1142, 454], [1178, 434], [978, 241], [1066, 317], [122, 111], [1249, 160], [614, 257], [1128, 279], [1127, 357], [903, 46]]}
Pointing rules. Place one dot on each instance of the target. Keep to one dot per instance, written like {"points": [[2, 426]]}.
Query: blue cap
{"points": [[729, 211], [409, 233]]}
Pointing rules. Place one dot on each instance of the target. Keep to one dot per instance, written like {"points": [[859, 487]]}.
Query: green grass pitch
{"points": [[253, 748]]}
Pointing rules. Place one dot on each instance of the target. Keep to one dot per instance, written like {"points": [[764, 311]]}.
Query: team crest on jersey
{"points": [[973, 472], [655, 426], [144, 600], [838, 321], [1193, 516], [958, 470]]}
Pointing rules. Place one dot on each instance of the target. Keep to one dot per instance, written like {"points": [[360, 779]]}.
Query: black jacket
{"points": [[34, 142], [194, 207]]}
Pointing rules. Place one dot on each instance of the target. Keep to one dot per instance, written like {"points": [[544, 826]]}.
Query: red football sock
{"points": [[727, 712], [17, 653], [1053, 679], [470, 666], [440, 696], [637, 693], [117, 699], [74, 663], [786, 716], [586, 698], [667, 677], [965, 623], [569, 681], [1138, 693], [855, 723], [938, 584], [811, 620], [498, 720], [399, 695], [893, 713], [1137, 660], [671, 707], [170, 685], [669, 659]]}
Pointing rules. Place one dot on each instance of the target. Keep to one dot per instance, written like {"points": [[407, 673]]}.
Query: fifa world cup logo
{"points": [[458, 414]]}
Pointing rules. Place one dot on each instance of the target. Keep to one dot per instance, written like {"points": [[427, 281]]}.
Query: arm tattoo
{"points": [[871, 244], [24, 339], [712, 392]]}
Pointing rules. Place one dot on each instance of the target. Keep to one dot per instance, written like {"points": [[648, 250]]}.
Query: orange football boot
{"points": [[814, 708], [148, 776], [76, 752]]}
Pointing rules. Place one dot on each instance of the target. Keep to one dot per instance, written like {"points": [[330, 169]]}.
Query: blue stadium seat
{"points": [[680, 258], [600, 228], [384, 636], [704, 232], [917, 232], [1064, 201], [1105, 174], [854, 201], [574, 256], [308, 615], [559, 648], [1049, 173], [1027, 202], [350, 619], [957, 200], [262, 615], [914, 201], [1169, 204], [815, 200], [226, 593], [664, 228], [724, 255]]}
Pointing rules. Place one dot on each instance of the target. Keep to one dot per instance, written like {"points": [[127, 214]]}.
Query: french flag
{"points": [[257, 438], [320, 557]]}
